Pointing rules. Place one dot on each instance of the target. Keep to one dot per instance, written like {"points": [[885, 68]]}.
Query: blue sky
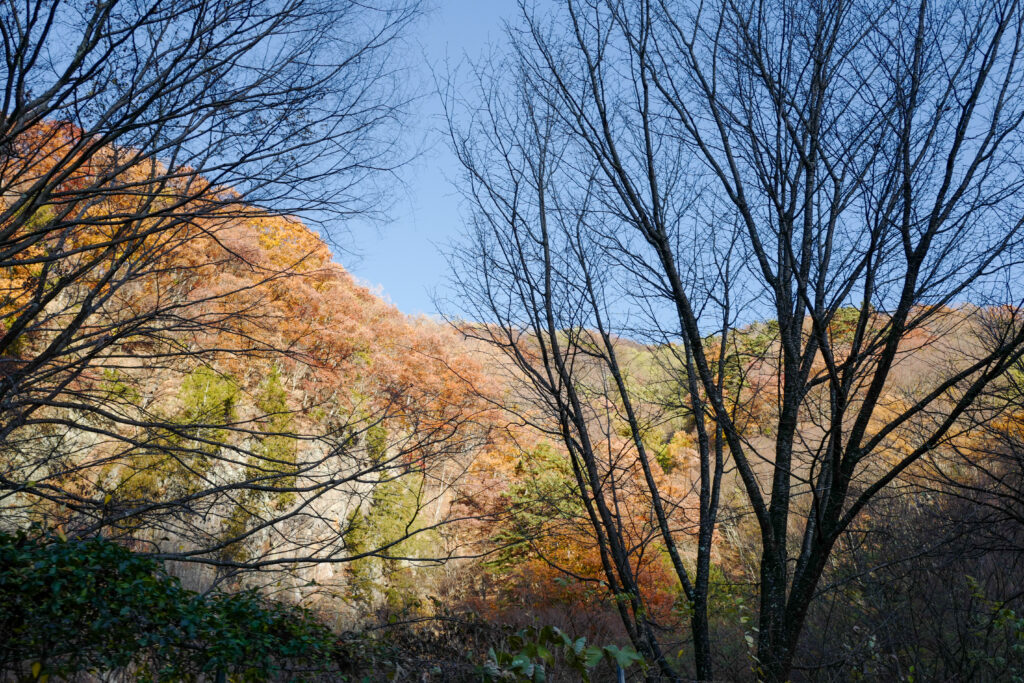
{"points": [[402, 259]]}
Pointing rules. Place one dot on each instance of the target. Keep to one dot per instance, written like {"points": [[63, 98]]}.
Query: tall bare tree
{"points": [[847, 172], [548, 269], [147, 150]]}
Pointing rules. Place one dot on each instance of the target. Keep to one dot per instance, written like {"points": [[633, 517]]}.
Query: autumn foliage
{"points": [[231, 398]]}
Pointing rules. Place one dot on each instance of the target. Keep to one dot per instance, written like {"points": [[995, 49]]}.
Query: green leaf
{"points": [[592, 656]]}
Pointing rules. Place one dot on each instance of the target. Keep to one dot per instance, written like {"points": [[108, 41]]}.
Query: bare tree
{"points": [[541, 269], [148, 153], [849, 172]]}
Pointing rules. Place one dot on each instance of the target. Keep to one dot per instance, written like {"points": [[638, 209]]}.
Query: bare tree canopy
{"points": [[842, 179], [155, 160]]}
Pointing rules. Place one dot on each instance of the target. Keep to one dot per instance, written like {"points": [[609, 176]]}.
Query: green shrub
{"points": [[533, 651], [69, 606]]}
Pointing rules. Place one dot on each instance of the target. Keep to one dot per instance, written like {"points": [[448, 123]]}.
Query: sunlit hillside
{"points": [[725, 380]]}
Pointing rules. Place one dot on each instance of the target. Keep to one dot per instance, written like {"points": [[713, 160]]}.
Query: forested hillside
{"points": [[728, 383]]}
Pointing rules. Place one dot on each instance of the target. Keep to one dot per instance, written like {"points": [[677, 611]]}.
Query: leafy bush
{"points": [[532, 652], [92, 605]]}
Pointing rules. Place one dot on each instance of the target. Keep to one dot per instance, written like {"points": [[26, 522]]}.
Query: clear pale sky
{"points": [[402, 259]]}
